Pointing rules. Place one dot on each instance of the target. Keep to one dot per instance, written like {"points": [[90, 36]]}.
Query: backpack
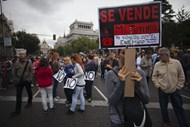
{"points": [[135, 111]]}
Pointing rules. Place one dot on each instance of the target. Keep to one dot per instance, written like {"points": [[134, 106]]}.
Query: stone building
{"points": [[78, 29], [6, 34], [44, 47]]}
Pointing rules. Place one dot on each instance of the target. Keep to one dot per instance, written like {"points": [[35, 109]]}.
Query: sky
{"points": [[50, 17]]}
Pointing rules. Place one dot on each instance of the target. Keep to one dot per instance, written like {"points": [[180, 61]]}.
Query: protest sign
{"points": [[71, 83], [90, 75], [130, 62], [131, 25], [60, 75]]}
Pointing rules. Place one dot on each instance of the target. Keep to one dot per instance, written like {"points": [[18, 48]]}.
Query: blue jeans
{"points": [[177, 104], [78, 92]]}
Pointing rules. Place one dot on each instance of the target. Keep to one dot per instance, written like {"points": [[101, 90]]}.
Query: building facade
{"points": [[6, 34], [61, 41], [78, 29], [44, 47]]}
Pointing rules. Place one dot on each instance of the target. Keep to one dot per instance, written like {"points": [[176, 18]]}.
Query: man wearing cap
{"points": [[22, 77]]}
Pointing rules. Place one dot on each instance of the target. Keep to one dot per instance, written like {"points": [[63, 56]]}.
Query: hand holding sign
{"points": [[60, 75]]}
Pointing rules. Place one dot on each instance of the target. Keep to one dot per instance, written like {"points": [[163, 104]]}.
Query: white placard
{"points": [[90, 75], [60, 75], [137, 39], [71, 83]]}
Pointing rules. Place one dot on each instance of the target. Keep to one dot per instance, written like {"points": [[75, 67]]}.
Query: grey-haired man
{"points": [[22, 77]]}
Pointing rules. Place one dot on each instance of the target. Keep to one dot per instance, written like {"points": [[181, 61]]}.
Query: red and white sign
{"points": [[132, 25]]}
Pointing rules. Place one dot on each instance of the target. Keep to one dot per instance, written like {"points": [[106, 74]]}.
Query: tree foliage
{"points": [[167, 12], [27, 41], [60, 50], [82, 44], [177, 34], [174, 33], [184, 33], [169, 34], [182, 15]]}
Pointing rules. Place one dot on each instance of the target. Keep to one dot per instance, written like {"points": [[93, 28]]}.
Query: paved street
{"points": [[94, 116]]}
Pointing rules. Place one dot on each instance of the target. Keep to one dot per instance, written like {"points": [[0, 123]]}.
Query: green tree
{"points": [[68, 50], [168, 24], [182, 15], [183, 21], [169, 34], [183, 33], [167, 11], [82, 44], [60, 50], [30, 42]]}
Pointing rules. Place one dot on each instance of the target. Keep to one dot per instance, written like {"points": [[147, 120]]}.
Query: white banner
{"points": [[90, 75], [60, 75], [71, 83], [136, 39]]}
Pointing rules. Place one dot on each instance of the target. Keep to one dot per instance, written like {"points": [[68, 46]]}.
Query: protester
{"points": [[96, 61], [168, 77], [155, 58], [69, 70], [6, 71], [146, 65], [186, 67], [90, 66], [102, 67], [111, 62], [78, 90], [35, 64], [139, 57], [22, 77], [115, 82], [54, 63], [44, 76]]}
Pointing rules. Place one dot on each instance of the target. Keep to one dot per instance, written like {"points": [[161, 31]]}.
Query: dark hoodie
{"points": [[115, 92]]}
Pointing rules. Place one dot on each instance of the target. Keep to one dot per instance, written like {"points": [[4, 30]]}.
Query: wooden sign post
{"points": [[130, 54]]}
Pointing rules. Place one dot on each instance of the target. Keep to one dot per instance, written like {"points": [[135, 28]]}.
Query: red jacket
{"points": [[44, 76]]}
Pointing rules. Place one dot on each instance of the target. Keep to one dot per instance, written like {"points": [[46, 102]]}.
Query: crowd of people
{"points": [[28, 72], [167, 74], [168, 71]]}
